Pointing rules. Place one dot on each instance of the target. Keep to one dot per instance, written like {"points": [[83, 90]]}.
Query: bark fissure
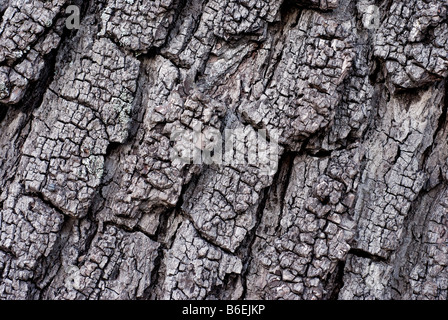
{"points": [[100, 197]]}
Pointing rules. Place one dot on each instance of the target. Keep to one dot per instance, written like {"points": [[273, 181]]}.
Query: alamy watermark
{"points": [[74, 19], [370, 16], [233, 147], [240, 146]]}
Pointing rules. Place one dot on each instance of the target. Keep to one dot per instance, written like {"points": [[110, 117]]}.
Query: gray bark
{"points": [[93, 206]]}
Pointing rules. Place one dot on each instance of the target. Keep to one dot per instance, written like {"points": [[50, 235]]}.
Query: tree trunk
{"points": [[127, 149]]}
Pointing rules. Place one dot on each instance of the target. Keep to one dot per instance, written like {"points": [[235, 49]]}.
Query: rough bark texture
{"points": [[92, 206]]}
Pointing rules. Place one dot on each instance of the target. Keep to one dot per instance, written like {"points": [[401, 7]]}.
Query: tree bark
{"points": [[93, 205]]}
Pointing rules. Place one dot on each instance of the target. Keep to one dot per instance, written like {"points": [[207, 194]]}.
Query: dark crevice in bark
{"points": [[43, 199], [282, 177], [3, 7], [36, 91], [224, 291], [245, 249], [89, 239], [378, 97], [322, 153], [180, 6], [50, 265], [84, 6], [442, 122], [434, 194], [386, 5], [287, 7], [397, 156], [335, 281], [411, 242], [364, 254], [3, 111], [8, 174], [190, 34], [138, 110], [165, 244], [288, 10], [115, 148], [376, 74], [111, 147], [285, 173], [209, 240], [150, 292], [441, 127], [8, 251]]}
